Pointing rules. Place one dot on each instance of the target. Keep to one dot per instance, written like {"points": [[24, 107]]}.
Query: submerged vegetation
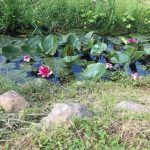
{"points": [[106, 16]]}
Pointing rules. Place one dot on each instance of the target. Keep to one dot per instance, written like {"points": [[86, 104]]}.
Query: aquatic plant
{"points": [[96, 60]]}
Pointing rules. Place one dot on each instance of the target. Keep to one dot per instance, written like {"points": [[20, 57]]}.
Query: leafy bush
{"points": [[107, 16], [15, 13]]}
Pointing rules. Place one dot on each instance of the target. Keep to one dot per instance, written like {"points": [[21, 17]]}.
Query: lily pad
{"points": [[11, 52], [97, 49], [94, 71], [71, 59], [57, 65], [50, 44], [120, 58]]}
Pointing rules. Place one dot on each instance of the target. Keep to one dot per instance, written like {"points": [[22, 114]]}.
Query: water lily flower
{"points": [[132, 40], [45, 71], [136, 76], [109, 66], [26, 58]]}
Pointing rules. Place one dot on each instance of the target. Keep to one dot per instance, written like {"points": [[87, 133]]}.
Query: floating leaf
{"points": [[120, 58], [50, 44], [147, 51], [137, 55], [71, 39], [94, 71], [57, 65], [85, 39], [11, 52], [97, 49], [32, 51], [71, 59]]}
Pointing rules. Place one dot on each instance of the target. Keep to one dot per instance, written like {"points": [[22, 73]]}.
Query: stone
{"points": [[63, 113], [13, 102], [132, 106]]}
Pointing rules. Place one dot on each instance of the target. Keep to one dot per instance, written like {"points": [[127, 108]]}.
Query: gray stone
{"points": [[12, 102], [63, 113], [132, 106]]}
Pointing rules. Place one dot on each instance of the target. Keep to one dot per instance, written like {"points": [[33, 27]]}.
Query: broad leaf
{"points": [[97, 49], [71, 39], [94, 71], [85, 39], [32, 51], [137, 55], [57, 65], [50, 44], [67, 51], [71, 59], [147, 51], [11, 52], [120, 58]]}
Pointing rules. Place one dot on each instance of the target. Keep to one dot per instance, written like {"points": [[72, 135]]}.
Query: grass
{"points": [[107, 130], [105, 16]]}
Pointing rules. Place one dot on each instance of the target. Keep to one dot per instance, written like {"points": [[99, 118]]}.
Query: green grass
{"points": [[123, 16], [107, 130]]}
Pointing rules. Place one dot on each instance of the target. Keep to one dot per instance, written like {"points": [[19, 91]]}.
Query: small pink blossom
{"points": [[136, 76], [45, 71], [109, 66], [132, 40], [26, 58]]}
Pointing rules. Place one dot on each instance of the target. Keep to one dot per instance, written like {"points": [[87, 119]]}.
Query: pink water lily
{"points": [[132, 40], [136, 76], [45, 71], [26, 58], [109, 66]]}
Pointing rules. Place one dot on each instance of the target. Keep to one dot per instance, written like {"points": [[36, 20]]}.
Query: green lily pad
{"points": [[94, 71], [57, 65], [50, 44], [120, 58], [71, 59], [97, 49], [32, 51], [11, 52]]}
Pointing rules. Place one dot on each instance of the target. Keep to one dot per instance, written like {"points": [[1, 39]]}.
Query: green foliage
{"points": [[106, 16], [71, 59], [147, 51], [82, 134], [97, 49], [49, 44], [94, 71], [72, 49], [11, 52], [32, 51], [16, 13]]}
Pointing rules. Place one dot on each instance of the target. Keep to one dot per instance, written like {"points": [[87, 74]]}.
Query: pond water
{"points": [[20, 72]]}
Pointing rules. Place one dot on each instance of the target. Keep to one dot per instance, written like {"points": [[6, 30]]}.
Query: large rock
{"points": [[12, 102], [63, 113], [132, 106]]}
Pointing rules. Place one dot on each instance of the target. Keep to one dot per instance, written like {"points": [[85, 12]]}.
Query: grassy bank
{"points": [[104, 15], [107, 130]]}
